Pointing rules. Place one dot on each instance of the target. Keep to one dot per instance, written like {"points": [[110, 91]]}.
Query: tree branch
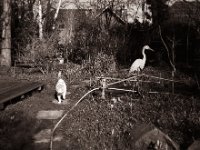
{"points": [[172, 65]]}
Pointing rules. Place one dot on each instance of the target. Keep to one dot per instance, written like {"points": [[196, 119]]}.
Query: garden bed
{"points": [[98, 123]]}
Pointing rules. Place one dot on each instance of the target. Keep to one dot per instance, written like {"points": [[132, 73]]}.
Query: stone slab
{"points": [[44, 136], [64, 102], [49, 114]]}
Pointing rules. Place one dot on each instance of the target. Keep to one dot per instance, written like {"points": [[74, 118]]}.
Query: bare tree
{"points": [[40, 20], [57, 11], [6, 34]]}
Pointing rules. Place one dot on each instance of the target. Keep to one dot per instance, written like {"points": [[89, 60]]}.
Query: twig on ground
{"points": [[172, 114], [118, 79], [161, 78], [41, 70], [117, 89], [127, 79]]}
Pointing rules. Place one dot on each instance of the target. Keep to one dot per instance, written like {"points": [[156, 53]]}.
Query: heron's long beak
{"points": [[151, 49]]}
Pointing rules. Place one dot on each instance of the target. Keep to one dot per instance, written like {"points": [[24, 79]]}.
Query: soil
{"points": [[99, 123]]}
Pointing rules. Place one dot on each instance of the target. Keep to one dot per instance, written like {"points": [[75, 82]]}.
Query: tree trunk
{"points": [[40, 20], [57, 10], [6, 34], [56, 14]]}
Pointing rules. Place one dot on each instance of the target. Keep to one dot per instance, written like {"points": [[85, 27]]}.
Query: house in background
{"points": [[72, 13], [131, 10]]}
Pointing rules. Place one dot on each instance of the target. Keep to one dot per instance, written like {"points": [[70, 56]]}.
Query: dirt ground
{"points": [[96, 123]]}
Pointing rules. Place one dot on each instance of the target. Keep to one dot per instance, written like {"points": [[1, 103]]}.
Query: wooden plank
{"points": [[18, 90], [6, 86]]}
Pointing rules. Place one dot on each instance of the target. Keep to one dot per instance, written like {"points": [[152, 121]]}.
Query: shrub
{"points": [[41, 52], [101, 64]]}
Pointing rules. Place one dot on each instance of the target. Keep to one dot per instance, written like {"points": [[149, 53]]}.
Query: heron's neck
{"points": [[143, 53]]}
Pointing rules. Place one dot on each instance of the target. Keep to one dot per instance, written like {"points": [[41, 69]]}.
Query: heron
{"points": [[139, 64]]}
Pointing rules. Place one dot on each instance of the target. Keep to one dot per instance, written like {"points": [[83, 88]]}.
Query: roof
{"points": [[110, 11]]}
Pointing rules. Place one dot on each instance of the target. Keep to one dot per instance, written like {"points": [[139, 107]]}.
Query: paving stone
{"points": [[75, 86], [49, 114], [64, 102], [44, 136]]}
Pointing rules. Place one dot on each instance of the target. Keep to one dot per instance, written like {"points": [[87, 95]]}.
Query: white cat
{"points": [[61, 88]]}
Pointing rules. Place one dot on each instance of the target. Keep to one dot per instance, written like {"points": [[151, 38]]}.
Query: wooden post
{"points": [[90, 82], [173, 82], [160, 80], [138, 81], [103, 83]]}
